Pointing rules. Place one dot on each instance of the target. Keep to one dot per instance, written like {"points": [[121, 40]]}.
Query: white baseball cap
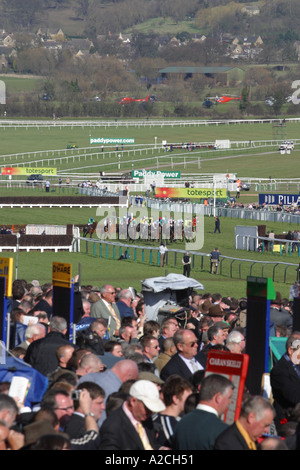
{"points": [[148, 393]]}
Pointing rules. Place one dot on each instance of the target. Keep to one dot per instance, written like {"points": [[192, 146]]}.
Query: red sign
{"points": [[234, 367]]}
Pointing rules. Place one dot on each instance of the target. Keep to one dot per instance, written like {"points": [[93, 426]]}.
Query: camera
{"points": [[76, 394]]}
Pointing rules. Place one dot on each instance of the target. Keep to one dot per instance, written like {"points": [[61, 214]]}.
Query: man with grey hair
{"points": [[124, 304], [187, 360], [8, 414], [8, 409], [199, 429], [236, 342], [35, 291], [86, 306], [256, 416], [106, 308], [32, 333], [216, 334], [41, 354]]}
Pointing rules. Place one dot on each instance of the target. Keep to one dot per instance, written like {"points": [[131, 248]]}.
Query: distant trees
{"points": [[22, 13], [279, 93], [244, 101], [83, 7], [36, 61]]}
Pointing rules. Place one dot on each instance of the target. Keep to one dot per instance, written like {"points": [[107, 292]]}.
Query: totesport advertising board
{"points": [[18, 171], [196, 193]]}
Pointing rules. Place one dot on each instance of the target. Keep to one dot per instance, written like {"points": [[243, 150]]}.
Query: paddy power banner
{"points": [[166, 174], [199, 193], [15, 171]]}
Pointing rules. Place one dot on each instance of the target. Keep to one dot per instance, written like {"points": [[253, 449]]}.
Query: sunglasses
{"points": [[192, 344]]}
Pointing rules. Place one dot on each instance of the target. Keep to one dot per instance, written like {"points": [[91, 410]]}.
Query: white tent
{"points": [[161, 291]]}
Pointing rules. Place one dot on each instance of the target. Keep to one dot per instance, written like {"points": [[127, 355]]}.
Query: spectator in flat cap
{"points": [[216, 313], [205, 306]]}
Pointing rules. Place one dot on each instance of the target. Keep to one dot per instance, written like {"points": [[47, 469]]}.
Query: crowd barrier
{"points": [[235, 268]]}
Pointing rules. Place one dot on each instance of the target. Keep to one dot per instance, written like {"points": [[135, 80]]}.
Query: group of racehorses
{"points": [[146, 232]]}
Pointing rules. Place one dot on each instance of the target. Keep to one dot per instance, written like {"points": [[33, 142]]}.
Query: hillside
{"points": [[74, 46], [275, 20]]}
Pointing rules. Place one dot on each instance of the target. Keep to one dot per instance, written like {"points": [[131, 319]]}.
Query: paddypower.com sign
{"points": [[166, 174], [105, 140]]}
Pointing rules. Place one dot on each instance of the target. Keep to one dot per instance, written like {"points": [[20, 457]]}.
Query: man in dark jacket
{"points": [[45, 304], [199, 429], [217, 225], [214, 261], [130, 426], [278, 315], [41, 354], [285, 377], [186, 261], [257, 414], [187, 360], [93, 337]]}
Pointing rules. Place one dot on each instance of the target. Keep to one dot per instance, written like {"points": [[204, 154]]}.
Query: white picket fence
{"points": [[15, 123]]}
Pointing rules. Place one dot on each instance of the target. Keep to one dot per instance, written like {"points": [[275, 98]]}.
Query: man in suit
{"points": [[199, 429], [106, 308], [216, 334], [187, 360], [285, 377], [130, 427], [124, 304], [18, 292], [255, 418]]}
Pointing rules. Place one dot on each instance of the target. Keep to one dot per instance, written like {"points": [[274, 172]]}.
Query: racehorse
{"points": [[89, 229]]}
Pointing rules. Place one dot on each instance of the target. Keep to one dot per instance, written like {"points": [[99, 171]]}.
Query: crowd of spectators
{"points": [[233, 203], [128, 383]]}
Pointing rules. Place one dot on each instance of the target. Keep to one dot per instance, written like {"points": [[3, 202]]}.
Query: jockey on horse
{"points": [[90, 227]]}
